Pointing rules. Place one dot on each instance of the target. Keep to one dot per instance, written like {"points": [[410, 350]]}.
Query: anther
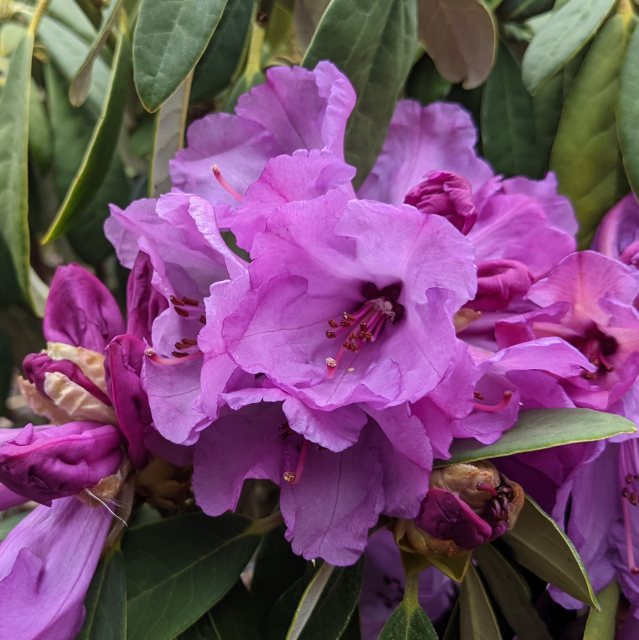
{"points": [[333, 324], [181, 312], [330, 334], [224, 184], [191, 302], [189, 341], [179, 354], [331, 363], [178, 302]]}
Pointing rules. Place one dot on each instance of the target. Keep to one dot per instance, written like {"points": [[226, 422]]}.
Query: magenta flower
{"points": [[618, 233], [46, 565]]}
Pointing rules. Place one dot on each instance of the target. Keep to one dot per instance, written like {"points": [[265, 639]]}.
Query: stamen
{"points": [[178, 358], [176, 301], [293, 477], [224, 184], [191, 302], [494, 408], [181, 312]]}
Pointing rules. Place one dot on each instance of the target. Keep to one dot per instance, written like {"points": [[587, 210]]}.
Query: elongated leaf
{"points": [[408, 623], [168, 137], [68, 51], [99, 153], [537, 543], [233, 617], [628, 112], [508, 134], [170, 38], [327, 604], [72, 14], [106, 601], [373, 44], [39, 129], [178, 568], [286, 605], [81, 83], [461, 37], [542, 429], [14, 136], [585, 155], [522, 9], [601, 625], [512, 594], [221, 58], [568, 30], [477, 618]]}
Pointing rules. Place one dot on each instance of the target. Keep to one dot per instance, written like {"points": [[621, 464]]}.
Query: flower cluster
{"points": [[344, 343]]}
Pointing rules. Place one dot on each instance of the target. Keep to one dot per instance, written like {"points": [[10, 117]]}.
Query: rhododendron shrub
{"points": [[318, 334]]}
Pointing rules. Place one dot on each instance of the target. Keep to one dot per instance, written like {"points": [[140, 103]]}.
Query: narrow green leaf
{"points": [[628, 112], [522, 9], [39, 129], [233, 617], [286, 605], [461, 37], [102, 145], [73, 14], [168, 138], [106, 601], [373, 43], [509, 141], [537, 543], [81, 83], [585, 155], [477, 618], [14, 136], [511, 593], [169, 39], [408, 623], [544, 428], [327, 604], [601, 625], [222, 57], [561, 37], [68, 51], [178, 568]]}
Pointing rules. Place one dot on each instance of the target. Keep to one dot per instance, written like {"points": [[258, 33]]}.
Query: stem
{"points": [[264, 525], [37, 15], [411, 589]]}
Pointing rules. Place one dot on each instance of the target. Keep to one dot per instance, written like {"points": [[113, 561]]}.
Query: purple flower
{"points": [[294, 109], [46, 565], [588, 301], [55, 462], [357, 308], [618, 233]]}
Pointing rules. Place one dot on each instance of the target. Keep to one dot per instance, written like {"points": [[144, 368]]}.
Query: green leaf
{"points": [[373, 43], [81, 83], [14, 136], [168, 138], [68, 51], [544, 428], [522, 9], [178, 568], [276, 568], [508, 135], [71, 13], [233, 617], [425, 83], [221, 58], [461, 37], [537, 543], [8, 524], [585, 155], [512, 594], [477, 618], [628, 112], [408, 623], [6, 374], [601, 625], [39, 129], [561, 37], [106, 601], [102, 145], [286, 605], [170, 38], [72, 128], [327, 604]]}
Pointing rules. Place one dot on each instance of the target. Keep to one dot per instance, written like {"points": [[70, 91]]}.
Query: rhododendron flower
{"points": [[588, 301], [618, 233]]}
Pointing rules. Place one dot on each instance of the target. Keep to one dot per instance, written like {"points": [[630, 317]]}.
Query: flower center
{"points": [[363, 326], [629, 481], [598, 348]]}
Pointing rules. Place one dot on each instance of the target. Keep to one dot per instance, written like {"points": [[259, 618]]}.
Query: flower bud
{"points": [[498, 282], [54, 462], [67, 383], [468, 505], [445, 194]]}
